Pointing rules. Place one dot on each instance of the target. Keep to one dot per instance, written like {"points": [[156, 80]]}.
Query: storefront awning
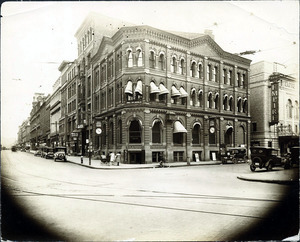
{"points": [[163, 89], [153, 88], [183, 93], [228, 126], [139, 87], [128, 89], [179, 128], [175, 92]]}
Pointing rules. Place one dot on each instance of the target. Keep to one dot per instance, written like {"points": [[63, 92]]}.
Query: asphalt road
{"points": [[47, 200]]}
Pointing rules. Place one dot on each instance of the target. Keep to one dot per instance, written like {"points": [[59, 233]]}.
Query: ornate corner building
{"points": [[145, 92]]}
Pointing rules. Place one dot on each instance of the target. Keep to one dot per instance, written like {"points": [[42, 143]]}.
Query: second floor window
{"points": [[129, 58], [161, 61], [152, 60]]}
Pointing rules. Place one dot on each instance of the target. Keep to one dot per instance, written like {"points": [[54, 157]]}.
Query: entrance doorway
{"points": [[136, 157]]}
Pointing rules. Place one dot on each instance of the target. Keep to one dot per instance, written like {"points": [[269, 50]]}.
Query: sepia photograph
{"points": [[150, 121]]}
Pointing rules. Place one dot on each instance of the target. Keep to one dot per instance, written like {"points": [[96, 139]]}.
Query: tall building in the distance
{"points": [[274, 106]]}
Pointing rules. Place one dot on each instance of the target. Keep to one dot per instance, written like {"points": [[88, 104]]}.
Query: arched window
{"points": [[193, 97], [111, 133], [120, 131], [225, 102], [173, 65], [196, 134], [182, 66], [103, 135], [245, 105], [130, 58], [157, 132], [200, 70], [289, 109], [178, 132], [208, 73], [228, 135], [216, 101], [231, 103], [193, 69], [139, 57], [224, 74], [200, 98], [162, 61], [151, 60], [135, 132], [209, 100], [296, 110], [239, 104]]}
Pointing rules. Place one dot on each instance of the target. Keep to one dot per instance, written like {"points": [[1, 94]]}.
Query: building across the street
{"points": [[150, 92], [274, 107]]}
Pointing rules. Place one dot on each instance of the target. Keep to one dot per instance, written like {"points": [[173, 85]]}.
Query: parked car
{"points": [[48, 152], [60, 153], [38, 153], [262, 157], [14, 148], [234, 155], [292, 158]]}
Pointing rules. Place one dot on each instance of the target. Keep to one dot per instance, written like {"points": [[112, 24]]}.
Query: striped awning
{"points": [[154, 88], [183, 93], [139, 87], [175, 92], [179, 128], [128, 89], [163, 89]]}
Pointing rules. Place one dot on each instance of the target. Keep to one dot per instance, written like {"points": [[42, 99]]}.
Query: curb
{"points": [[284, 182]]}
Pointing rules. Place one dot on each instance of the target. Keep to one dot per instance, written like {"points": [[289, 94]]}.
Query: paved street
{"points": [[205, 202]]}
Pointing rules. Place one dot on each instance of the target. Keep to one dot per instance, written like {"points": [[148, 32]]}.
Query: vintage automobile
{"points": [[14, 148], [292, 158], [234, 155], [38, 153], [262, 157], [48, 152], [60, 153]]}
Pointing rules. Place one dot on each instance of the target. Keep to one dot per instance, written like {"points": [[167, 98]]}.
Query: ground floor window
{"points": [[155, 156], [178, 156]]}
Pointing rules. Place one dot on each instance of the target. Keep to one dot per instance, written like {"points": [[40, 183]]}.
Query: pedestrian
{"points": [[118, 158], [112, 158]]}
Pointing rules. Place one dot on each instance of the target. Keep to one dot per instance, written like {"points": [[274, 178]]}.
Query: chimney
{"points": [[210, 33]]}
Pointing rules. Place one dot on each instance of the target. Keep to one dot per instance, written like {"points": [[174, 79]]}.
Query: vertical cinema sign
{"points": [[274, 102]]}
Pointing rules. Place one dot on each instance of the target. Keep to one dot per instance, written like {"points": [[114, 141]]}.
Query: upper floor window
{"points": [[182, 67], [208, 73], [245, 105], [161, 61], [173, 65], [243, 81], [230, 103], [129, 58], [139, 57], [225, 102], [239, 104], [193, 69], [200, 70], [209, 100], [229, 77], [200, 98], [215, 74], [193, 97], [216, 101], [103, 73], [289, 108], [296, 110], [224, 75], [238, 79], [151, 60]]}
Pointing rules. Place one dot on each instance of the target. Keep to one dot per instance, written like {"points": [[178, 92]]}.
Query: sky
{"points": [[37, 36]]}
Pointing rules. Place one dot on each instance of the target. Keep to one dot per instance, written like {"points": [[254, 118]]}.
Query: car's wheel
{"points": [[270, 166], [252, 167]]}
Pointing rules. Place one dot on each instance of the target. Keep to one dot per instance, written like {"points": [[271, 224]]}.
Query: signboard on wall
{"points": [[274, 103]]}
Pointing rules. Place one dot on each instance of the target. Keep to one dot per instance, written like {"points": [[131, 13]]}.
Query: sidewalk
{"points": [[277, 175], [97, 164]]}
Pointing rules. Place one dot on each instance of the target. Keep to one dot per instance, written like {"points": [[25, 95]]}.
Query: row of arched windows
{"points": [[157, 129], [290, 108]]}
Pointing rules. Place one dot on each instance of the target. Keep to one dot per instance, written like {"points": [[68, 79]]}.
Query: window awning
{"points": [[228, 127], [183, 93], [179, 128], [163, 89], [128, 89], [175, 92], [139, 87], [154, 88]]}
